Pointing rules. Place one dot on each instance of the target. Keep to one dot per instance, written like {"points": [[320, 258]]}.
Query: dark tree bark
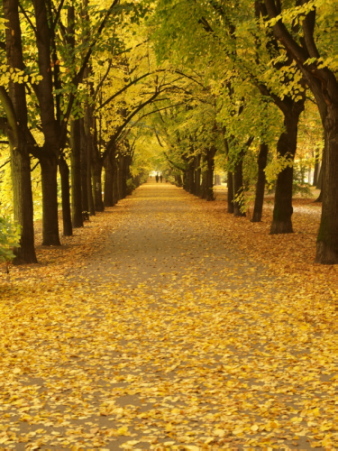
{"points": [[75, 139], [230, 195], [190, 176], [49, 201], [15, 107], [230, 180], [65, 193], [109, 181], [324, 86], [23, 205], [44, 91], [95, 159], [286, 147], [86, 179], [121, 173], [238, 185], [197, 175], [127, 175], [178, 180], [124, 174], [207, 191], [260, 185], [97, 185], [116, 172], [184, 180]]}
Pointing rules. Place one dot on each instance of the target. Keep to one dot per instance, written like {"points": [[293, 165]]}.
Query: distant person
{"points": [[161, 178], [156, 178]]}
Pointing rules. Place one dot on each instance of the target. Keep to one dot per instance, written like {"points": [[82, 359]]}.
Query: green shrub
{"points": [[9, 238]]}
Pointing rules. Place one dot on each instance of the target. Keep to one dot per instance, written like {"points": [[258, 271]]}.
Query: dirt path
{"points": [[165, 236], [167, 338]]}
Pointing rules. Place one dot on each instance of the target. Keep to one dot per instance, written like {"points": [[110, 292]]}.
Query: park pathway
{"points": [[168, 337]]}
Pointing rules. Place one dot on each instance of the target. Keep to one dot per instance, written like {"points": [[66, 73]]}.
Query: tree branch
{"points": [[27, 17], [307, 40], [105, 75], [58, 13], [126, 87], [6, 162]]}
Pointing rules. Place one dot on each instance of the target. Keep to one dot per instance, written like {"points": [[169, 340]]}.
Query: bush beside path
{"points": [[168, 324]]}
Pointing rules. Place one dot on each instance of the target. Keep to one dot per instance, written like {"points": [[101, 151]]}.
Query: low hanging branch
{"points": [[126, 87], [120, 129], [173, 164], [134, 124]]}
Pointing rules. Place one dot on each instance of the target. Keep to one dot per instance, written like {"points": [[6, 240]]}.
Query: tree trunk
{"points": [[178, 180], [23, 204], [197, 175], [324, 86], [116, 191], [327, 240], [50, 234], [89, 160], [207, 191], [108, 182], [65, 195], [15, 107], [286, 147], [260, 186], [230, 178], [230, 197], [210, 174], [190, 176], [238, 186], [44, 91], [124, 171], [75, 140], [97, 185], [127, 175], [119, 177], [185, 180], [204, 184], [86, 180]]}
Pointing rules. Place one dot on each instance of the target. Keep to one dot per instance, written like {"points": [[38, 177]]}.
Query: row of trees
{"points": [[74, 76], [230, 79], [251, 69]]}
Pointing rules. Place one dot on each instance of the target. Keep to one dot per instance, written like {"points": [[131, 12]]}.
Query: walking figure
{"points": [[156, 178], [161, 178]]}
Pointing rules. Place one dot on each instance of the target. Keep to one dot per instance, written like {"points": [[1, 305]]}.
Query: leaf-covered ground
{"points": [[168, 324]]}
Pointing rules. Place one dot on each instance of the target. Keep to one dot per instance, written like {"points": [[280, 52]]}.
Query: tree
{"points": [[316, 58], [234, 39], [16, 126]]}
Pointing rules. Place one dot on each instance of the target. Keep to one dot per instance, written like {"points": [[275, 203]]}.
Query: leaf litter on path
{"points": [[168, 324]]}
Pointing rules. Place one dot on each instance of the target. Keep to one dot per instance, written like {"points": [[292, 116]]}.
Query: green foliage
{"points": [[6, 189], [276, 166], [9, 238], [244, 198]]}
